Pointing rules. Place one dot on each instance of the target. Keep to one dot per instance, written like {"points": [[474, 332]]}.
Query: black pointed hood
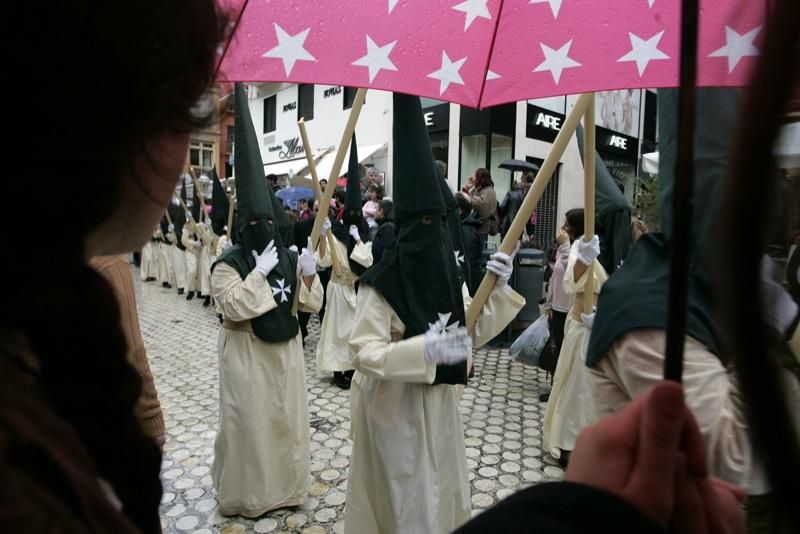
{"points": [[352, 197], [418, 275], [219, 205]]}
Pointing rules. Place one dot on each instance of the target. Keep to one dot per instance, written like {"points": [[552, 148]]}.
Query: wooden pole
{"points": [[198, 194], [529, 204], [325, 201], [315, 181], [230, 215], [169, 219], [186, 209], [310, 158], [588, 199]]}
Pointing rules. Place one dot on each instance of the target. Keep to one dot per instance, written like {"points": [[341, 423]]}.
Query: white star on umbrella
{"points": [[290, 48], [377, 58], [556, 60], [650, 3], [459, 256], [448, 73], [441, 325], [491, 75], [737, 46], [473, 9], [392, 4], [555, 5], [282, 289], [642, 52]]}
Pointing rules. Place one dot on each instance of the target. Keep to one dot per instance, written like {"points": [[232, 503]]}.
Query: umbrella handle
{"points": [[529, 204]]}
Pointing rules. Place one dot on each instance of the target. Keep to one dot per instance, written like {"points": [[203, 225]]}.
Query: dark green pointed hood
{"points": [[352, 197], [418, 275], [636, 295], [259, 221], [612, 213], [219, 205]]}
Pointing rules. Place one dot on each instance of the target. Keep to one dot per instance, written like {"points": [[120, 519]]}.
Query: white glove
{"points": [[325, 226], [307, 261], [188, 215], [226, 245], [267, 260], [354, 232], [451, 346], [502, 265], [171, 228], [293, 248], [588, 250], [588, 319], [780, 310]]}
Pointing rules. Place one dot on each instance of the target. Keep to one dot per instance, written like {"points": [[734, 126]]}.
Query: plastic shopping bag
{"points": [[529, 345]]}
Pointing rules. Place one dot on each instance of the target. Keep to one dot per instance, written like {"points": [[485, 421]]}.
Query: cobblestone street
{"points": [[500, 407]]}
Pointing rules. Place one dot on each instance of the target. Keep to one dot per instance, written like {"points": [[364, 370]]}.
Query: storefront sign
{"points": [[274, 148], [616, 143], [290, 106], [332, 91], [437, 118], [543, 124], [293, 148]]}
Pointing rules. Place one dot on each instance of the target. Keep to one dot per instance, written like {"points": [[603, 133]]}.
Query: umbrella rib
{"points": [[227, 44], [489, 56]]}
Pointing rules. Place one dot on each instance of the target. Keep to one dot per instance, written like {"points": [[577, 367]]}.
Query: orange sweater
{"points": [[117, 272]]}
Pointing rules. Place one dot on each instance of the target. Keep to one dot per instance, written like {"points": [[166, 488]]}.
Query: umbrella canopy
{"points": [[519, 165], [487, 52], [295, 194]]}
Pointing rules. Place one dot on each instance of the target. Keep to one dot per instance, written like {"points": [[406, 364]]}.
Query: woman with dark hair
{"points": [[72, 455], [570, 407]]}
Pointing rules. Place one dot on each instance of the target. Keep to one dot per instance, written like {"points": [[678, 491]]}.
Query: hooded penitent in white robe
{"points": [[333, 352], [145, 261], [408, 469], [178, 263], [192, 247], [571, 406], [261, 453]]}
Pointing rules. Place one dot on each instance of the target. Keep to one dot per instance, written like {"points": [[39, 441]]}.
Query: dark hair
{"points": [[575, 219], [340, 196], [483, 178], [528, 177], [377, 189], [136, 72], [386, 207], [272, 178], [464, 205]]}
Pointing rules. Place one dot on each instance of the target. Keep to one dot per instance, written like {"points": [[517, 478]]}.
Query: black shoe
{"points": [[150, 279], [341, 380], [544, 397], [207, 301], [167, 285], [219, 316], [180, 291], [190, 295], [563, 460]]}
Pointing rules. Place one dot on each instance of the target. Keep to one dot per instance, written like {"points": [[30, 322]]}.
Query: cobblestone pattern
{"points": [[501, 412]]}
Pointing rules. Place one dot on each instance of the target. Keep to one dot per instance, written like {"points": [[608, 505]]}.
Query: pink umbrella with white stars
{"points": [[482, 53]]}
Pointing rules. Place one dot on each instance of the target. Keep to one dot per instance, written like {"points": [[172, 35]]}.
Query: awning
{"points": [[287, 166], [325, 163]]}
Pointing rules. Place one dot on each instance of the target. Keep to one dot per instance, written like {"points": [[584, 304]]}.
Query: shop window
{"points": [[305, 101], [270, 113]]}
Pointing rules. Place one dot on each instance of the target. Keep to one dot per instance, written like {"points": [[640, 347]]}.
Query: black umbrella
{"points": [[519, 165]]}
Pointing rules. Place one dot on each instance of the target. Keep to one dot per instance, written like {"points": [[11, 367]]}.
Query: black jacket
{"points": [[473, 245], [302, 231], [383, 239], [508, 209]]}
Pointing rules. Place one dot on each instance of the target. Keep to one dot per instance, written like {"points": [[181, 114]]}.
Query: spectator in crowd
{"points": [[375, 194], [305, 211], [471, 224], [272, 181], [480, 188], [508, 209], [323, 183], [385, 233], [339, 196]]}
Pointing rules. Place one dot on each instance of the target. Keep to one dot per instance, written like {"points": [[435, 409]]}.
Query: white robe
{"points": [[333, 352], [166, 272], [178, 264], [204, 262], [192, 247], [146, 261], [571, 406], [261, 453], [408, 468]]}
